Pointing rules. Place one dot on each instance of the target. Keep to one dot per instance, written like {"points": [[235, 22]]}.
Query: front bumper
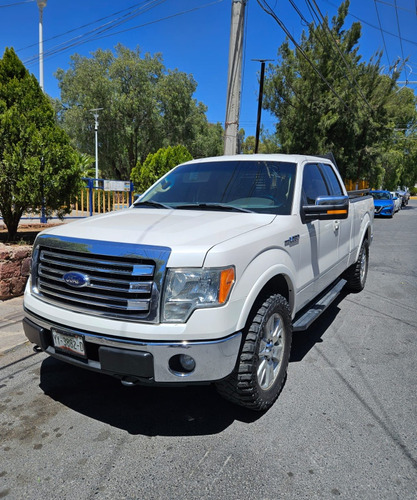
{"points": [[384, 211], [140, 361]]}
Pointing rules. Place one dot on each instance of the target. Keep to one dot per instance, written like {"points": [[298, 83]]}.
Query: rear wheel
{"points": [[260, 374], [357, 273]]}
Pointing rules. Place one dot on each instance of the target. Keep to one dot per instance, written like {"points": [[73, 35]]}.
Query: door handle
{"points": [[336, 225]]}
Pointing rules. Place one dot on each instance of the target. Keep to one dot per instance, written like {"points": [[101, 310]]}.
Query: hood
{"points": [[383, 203], [188, 233]]}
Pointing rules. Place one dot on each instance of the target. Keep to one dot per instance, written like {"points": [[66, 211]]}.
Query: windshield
{"points": [[255, 186], [381, 195]]}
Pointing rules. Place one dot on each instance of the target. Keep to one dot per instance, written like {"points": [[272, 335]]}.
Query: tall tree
{"points": [[37, 164], [326, 99], [145, 107], [400, 155]]}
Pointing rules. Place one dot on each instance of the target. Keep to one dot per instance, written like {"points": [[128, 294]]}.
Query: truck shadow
{"points": [[163, 411], [140, 410], [303, 342]]}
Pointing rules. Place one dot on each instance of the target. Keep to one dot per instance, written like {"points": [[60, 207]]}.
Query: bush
{"points": [[158, 164]]}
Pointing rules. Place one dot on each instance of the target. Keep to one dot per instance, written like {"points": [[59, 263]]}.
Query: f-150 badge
{"points": [[292, 240]]}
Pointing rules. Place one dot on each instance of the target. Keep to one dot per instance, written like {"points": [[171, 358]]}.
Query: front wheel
{"points": [[262, 367]]}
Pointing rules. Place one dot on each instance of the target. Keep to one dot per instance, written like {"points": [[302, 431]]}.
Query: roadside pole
{"points": [[234, 80]]}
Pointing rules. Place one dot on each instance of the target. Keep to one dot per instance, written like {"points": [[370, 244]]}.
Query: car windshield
{"points": [[381, 195], [243, 186]]}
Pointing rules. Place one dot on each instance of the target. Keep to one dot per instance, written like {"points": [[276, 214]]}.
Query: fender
{"points": [[266, 266]]}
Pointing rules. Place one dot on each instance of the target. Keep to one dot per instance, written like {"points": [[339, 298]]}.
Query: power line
{"points": [[162, 19], [92, 34], [76, 41], [336, 45], [382, 32], [82, 26], [16, 3], [413, 42], [399, 31], [399, 7], [267, 8], [306, 23]]}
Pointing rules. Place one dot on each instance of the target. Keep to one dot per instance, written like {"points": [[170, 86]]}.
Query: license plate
{"points": [[70, 343]]}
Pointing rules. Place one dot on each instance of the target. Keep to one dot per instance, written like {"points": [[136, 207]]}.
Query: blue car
{"points": [[383, 202]]}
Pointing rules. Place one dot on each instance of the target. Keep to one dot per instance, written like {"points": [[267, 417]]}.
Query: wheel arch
{"points": [[273, 282], [366, 234]]}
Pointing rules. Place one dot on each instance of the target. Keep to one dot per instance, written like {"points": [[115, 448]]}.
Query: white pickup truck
{"points": [[205, 277]]}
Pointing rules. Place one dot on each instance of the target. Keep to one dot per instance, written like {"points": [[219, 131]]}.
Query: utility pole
{"points": [[260, 97], [41, 6], [234, 77], [95, 114]]}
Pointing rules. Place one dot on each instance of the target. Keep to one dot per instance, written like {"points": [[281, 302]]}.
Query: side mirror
{"points": [[326, 208]]}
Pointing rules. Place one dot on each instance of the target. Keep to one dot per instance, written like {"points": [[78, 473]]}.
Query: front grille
{"points": [[118, 281]]}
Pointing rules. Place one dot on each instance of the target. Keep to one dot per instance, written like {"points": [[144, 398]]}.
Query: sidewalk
{"points": [[11, 328]]}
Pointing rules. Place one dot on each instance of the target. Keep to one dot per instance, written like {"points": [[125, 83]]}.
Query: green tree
{"points": [[157, 164], [400, 155], [37, 163], [267, 144], [326, 99], [145, 107]]}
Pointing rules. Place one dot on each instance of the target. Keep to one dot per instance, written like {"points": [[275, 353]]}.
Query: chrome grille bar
{"points": [[116, 280], [99, 265], [125, 286], [84, 300]]}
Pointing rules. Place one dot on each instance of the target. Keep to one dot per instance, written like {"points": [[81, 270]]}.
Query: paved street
{"points": [[343, 427]]}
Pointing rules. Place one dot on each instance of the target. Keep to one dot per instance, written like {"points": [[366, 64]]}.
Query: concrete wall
{"points": [[14, 269]]}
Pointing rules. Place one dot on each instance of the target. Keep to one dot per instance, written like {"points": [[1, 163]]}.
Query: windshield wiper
{"points": [[213, 206], [153, 204]]}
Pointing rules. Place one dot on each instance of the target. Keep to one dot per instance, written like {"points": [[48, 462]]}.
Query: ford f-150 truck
{"points": [[205, 277]]}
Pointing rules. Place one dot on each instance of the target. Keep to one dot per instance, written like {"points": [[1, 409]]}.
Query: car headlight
{"points": [[188, 289]]}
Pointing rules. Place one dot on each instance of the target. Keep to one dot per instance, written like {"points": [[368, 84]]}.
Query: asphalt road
{"points": [[343, 427]]}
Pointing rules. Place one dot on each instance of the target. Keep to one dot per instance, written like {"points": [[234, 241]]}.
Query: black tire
{"points": [[262, 366], [357, 273]]}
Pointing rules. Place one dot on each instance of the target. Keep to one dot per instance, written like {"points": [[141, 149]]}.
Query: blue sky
{"points": [[193, 36]]}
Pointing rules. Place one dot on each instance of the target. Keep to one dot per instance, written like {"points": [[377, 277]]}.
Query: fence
{"points": [[356, 185], [96, 197], [100, 196]]}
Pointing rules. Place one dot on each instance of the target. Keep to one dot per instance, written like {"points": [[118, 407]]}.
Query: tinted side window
{"points": [[332, 181], [313, 184]]}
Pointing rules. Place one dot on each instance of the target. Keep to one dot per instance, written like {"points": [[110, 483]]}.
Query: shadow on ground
{"points": [[150, 410]]}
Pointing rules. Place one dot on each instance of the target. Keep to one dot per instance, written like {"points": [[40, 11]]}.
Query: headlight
{"points": [[189, 289]]}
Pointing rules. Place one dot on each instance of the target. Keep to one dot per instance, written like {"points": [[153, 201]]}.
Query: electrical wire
{"points": [[93, 34], [15, 3], [382, 31], [100, 32], [399, 34], [162, 19], [82, 26], [301, 15], [413, 42], [267, 8], [399, 7], [335, 44]]}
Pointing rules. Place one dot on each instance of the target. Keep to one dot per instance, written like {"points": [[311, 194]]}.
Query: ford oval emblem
{"points": [[77, 280]]}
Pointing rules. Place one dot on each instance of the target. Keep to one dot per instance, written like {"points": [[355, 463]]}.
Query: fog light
{"points": [[182, 365], [187, 362]]}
